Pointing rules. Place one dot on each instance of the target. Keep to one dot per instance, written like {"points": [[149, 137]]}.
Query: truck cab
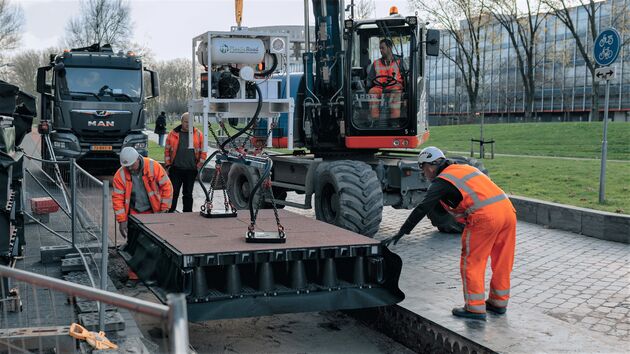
{"points": [[94, 103]]}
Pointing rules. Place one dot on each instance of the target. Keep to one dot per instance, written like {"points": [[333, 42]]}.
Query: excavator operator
{"points": [[386, 84]]}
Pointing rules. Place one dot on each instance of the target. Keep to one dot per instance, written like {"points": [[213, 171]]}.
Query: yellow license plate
{"points": [[101, 148]]}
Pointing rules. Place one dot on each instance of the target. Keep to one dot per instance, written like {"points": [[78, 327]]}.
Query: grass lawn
{"points": [[572, 182], [546, 139]]}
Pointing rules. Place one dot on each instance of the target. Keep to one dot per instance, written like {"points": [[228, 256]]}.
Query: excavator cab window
{"points": [[381, 77]]}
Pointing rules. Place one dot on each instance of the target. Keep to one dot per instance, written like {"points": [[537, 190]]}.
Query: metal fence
{"points": [[47, 329]]}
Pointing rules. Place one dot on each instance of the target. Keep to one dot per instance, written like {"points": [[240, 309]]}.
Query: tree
{"points": [[11, 25], [522, 27], [24, 67], [463, 20], [175, 86], [564, 11], [364, 9], [100, 21]]}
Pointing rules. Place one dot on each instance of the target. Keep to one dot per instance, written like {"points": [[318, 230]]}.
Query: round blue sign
{"points": [[606, 47]]}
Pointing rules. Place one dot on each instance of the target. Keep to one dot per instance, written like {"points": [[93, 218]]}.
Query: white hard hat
{"points": [[430, 155], [128, 156]]}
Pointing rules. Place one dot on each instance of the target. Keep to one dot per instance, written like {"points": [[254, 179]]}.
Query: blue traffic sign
{"points": [[606, 48]]}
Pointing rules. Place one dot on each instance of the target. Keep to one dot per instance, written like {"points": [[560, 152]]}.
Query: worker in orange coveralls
{"points": [[490, 229]]}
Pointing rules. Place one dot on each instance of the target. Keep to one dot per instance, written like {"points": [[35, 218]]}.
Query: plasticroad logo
{"points": [[224, 49]]}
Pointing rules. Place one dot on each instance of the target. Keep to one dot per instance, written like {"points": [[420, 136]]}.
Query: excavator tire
{"points": [[349, 195], [240, 180]]}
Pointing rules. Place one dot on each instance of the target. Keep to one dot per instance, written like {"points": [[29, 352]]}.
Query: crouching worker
{"points": [[140, 186]]}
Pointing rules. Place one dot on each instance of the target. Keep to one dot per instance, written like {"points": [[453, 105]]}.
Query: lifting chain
{"points": [[266, 189]]}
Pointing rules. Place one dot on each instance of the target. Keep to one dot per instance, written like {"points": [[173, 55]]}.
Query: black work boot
{"points": [[462, 312], [495, 309]]}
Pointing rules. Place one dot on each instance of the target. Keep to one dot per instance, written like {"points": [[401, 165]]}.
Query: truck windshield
{"points": [[380, 79], [99, 84]]}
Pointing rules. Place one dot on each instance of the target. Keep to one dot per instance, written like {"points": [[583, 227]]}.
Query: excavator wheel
{"points": [[241, 179], [349, 195]]}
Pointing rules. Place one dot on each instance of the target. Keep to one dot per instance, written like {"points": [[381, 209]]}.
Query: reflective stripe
{"points": [[168, 146], [151, 168], [119, 212], [480, 308], [498, 303], [163, 180], [477, 206], [477, 203], [167, 200], [474, 296], [151, 193], [467, 242], [122, 175], [119, 191], [500, 292]]}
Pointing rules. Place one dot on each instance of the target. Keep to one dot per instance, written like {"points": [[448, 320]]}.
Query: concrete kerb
{"points": [[588, 222]]}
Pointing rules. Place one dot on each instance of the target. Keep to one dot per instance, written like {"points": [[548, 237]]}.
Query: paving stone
{"points": [[601, 328]]}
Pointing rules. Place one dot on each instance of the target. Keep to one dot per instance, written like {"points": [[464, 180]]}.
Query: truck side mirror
{"points": [[155, 84], [41, 80], [433, 42]]}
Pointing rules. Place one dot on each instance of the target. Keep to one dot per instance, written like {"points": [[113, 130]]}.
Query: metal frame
{"points": [[217, 109], [175, 313]]}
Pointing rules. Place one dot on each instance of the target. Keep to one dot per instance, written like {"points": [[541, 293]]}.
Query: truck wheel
{"points": [[349, 195], [444, 221], [241, 179]]}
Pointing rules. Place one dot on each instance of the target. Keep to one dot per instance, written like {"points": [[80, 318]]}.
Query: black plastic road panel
{"points": [[320, 267]]}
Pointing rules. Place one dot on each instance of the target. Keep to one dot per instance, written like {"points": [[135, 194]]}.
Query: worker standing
{"points": [[182, 163], [140, 186], [386, 83], [160, 127], [490, 230]]}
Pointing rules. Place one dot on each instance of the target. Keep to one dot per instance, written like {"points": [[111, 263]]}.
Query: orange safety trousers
{"points": [[392, 100], [489, 232]]}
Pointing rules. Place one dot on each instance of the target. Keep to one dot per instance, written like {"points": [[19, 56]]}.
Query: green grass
{"points": [[156, 152], [545, 139], [572, 182]]}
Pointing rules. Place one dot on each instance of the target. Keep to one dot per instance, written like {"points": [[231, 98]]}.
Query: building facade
{"points": [[562, 78]]}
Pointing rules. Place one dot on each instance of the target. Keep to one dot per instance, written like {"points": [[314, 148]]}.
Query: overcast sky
{"points": [[167, 27]]}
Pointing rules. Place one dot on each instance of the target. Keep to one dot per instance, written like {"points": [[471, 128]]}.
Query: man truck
{"points": [[93, 104]]}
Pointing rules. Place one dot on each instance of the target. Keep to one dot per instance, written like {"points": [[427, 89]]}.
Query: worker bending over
{"points": [[140, 186], [490, 230], [183, 163]]}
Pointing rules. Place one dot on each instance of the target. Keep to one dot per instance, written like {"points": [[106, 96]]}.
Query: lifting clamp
{"points": [[96, 340]]}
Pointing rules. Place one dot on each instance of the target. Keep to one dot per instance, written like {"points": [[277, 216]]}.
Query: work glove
{"points": [[123, 229], [393, 240]]}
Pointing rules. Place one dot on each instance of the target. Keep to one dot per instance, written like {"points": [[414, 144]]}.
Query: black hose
{"points": [[264, 176], [222, 146], [270, 70]]}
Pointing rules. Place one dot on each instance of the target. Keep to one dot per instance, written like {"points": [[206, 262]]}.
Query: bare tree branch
{"points": [[100, 21], [463, 21], [364, 9], [11, 25]]}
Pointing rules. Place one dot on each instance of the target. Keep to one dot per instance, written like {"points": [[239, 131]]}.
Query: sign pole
{"points": [[602, 173], [605, 51]]}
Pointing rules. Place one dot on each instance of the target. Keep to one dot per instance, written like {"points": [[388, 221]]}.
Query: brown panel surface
{"points": [[191, 233]]}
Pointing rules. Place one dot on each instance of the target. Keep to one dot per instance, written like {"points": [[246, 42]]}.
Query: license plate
{"points": [[101, 148]]}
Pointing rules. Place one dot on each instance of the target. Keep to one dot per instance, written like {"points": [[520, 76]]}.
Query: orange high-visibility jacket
{"points": [[172, 142], [393, 69], [477, 190], [156, 181]]}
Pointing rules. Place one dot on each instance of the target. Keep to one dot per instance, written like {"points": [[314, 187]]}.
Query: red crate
{"points": [[44, 205]]}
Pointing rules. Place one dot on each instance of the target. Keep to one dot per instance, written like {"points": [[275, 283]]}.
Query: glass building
{"points": [[563, 82]]}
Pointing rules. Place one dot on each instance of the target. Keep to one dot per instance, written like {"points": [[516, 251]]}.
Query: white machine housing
{"points": [[238, 49]]}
